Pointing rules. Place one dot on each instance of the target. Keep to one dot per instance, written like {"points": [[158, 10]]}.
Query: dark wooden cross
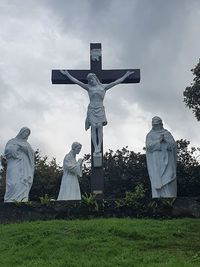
{"points": [[104, 76]]}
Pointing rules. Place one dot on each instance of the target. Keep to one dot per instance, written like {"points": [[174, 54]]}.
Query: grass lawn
{"points": [[101, 242]]}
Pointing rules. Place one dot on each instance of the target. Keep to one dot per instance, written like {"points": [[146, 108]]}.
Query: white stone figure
{"points": [[69, 188], [96, 117], [161, 157], [20, 167]]}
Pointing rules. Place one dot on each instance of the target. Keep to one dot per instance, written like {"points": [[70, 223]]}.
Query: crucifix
{"points": [[96, 81]]}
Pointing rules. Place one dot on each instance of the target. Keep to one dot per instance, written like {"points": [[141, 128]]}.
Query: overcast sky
{"points": [[160, 37]]}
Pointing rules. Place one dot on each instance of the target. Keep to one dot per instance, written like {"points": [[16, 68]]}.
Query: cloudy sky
{"points": [[160, 37]]}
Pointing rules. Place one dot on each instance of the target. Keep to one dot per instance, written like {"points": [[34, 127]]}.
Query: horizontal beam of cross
{"points": [[105, 76]]}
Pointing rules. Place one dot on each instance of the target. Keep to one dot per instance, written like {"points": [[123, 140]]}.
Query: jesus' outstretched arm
{"points": [[74, 80], [110, 85]]}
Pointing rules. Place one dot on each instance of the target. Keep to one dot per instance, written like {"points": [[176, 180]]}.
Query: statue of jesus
{"points": [[96, 117]]}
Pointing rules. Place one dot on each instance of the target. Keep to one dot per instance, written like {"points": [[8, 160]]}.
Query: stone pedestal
{"points": [[18, 212]]}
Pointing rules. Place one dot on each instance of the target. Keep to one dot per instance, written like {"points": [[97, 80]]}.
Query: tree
{"points": [[47, 178], [188, 169], [192, 93], [124, 169]]}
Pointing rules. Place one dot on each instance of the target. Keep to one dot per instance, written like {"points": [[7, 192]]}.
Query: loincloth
{"points": [[95, 115]]}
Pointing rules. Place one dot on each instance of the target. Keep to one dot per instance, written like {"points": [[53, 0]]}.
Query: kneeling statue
{"points": [[72, 169]]}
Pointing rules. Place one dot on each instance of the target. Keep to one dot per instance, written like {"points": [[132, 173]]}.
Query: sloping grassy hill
{"points": [[101, 242]]}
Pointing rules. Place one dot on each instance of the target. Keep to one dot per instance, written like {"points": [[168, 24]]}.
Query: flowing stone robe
{"points": [[20, 170], [161, 163], [69, 188]]}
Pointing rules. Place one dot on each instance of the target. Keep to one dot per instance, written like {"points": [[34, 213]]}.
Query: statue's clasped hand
{"points": [[161, 139], [80, 161]]}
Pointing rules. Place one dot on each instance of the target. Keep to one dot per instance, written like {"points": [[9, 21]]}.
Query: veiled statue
{"points": [[161, 157], [20, 167]]}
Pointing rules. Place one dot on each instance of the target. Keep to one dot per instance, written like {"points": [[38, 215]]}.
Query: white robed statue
{"points": [[161, 157], [20, 167], [69, 188]]}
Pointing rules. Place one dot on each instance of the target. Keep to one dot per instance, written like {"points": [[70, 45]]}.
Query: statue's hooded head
{"points": [[157, 123], [24, 133], [156, 120], [92, 79]]}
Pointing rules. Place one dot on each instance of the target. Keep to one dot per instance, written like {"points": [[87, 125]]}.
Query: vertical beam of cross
{"points": [[97, 172]]}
